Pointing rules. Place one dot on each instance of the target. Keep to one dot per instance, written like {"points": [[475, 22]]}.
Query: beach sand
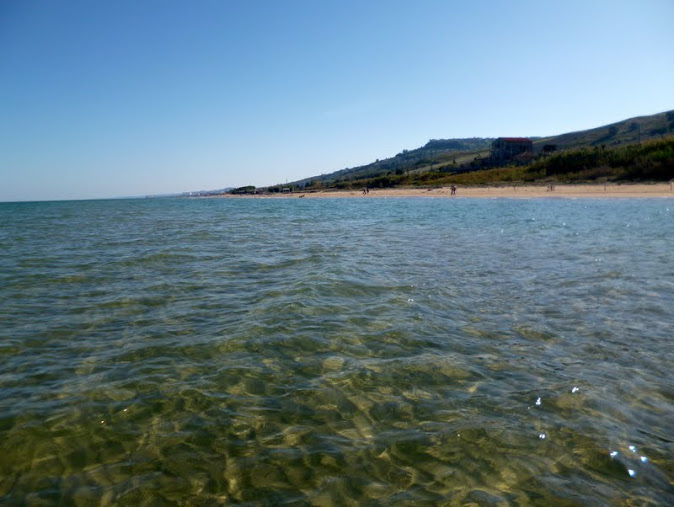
{"points": [[611, 190]]}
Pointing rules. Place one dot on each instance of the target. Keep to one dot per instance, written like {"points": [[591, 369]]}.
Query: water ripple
{"points": [[330, 351]]}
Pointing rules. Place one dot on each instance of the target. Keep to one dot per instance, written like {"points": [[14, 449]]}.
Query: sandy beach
{"points": [[655, 190]]}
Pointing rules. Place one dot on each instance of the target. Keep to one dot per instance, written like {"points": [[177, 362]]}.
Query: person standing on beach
{"points": [[453, 190]]}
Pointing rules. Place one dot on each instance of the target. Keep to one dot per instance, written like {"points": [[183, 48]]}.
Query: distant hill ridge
{"points": [[461, 153], [443, 161], [632, 130], [404, 161]]}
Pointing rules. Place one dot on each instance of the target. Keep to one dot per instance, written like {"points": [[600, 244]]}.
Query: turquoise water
{"points": [[331, 352]]}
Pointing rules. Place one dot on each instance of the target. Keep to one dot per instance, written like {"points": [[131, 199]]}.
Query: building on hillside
{"points": [[505, 149]]}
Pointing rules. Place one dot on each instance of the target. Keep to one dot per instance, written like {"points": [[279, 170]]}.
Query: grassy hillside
{"points": [[434, 154], [629, 131], [649, 161], [637, 149]]}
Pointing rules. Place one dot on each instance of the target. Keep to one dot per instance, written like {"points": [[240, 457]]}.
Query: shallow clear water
{"points": [[383, 351]]}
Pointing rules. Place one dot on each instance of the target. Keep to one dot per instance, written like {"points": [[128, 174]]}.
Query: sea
{"points": [[362, 351]]}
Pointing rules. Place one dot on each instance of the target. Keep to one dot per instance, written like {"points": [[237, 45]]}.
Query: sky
{"points": [[119, 98]]}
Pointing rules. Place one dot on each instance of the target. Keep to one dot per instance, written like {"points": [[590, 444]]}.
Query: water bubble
{"points": [[613, 454], [574, 390], [631, 472], [541, 436], [644, 459], [632, 448], [538, 402], [410, 300]]}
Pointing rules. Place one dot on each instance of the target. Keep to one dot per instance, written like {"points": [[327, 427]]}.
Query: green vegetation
{"points": [[434, 154], [650, 161], [250, 189], [630, 131], [637, 149]]}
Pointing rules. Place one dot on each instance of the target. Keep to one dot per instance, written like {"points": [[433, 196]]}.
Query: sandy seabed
{"points": [[662, 190]]}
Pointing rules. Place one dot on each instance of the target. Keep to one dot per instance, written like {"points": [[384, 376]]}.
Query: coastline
{"points": [[598, 191]]}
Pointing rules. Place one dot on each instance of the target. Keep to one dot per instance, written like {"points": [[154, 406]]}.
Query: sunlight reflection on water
{"points": [[391, 351]]}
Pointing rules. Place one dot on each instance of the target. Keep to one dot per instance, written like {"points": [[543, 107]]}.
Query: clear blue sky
{"points": [[134, 97]]}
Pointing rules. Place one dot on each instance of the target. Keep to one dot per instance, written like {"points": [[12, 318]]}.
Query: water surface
{"points": [[383, 351]]}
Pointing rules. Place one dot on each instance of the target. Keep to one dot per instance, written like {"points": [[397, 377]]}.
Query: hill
{"points": [[588, 154], [435, 153], [629, 131]]}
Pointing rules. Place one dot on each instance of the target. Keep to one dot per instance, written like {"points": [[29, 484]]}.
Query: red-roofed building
{"points": [[507, 148]]}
